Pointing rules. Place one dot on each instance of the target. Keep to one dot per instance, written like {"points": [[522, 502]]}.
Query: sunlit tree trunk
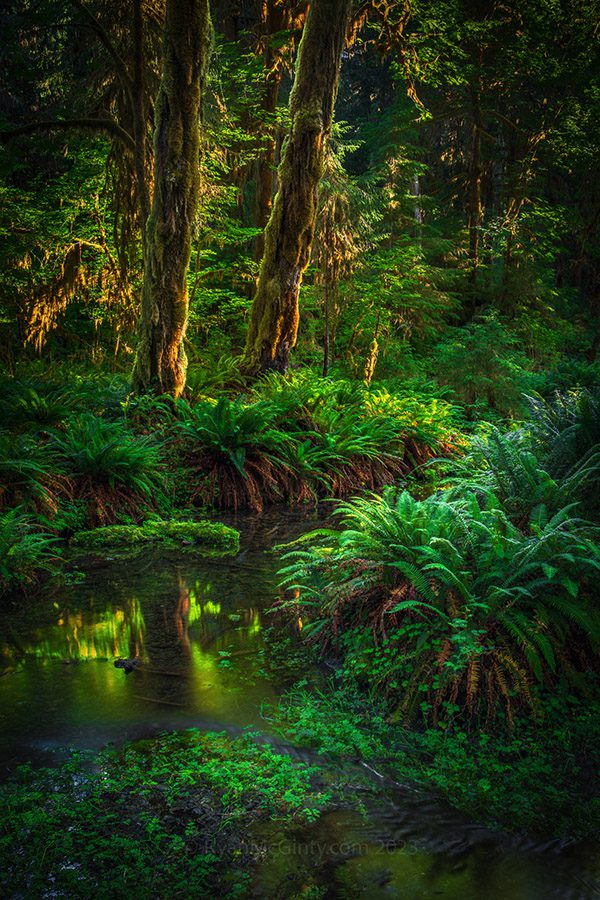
{"points": [[160, 361], [289, 233]]}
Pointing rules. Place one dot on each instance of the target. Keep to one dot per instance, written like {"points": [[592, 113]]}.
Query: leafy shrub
{"points": [[168, 817], [507, 466], [352, 438], [232, 451], [533, 780], [481, 362], [214, 377], [150, 413], [30, 474], [26, 553], [444, 604], [34, 404], [358, 452], [566, 429], [428, 422]]}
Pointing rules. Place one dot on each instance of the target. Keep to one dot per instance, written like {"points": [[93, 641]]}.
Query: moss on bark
{"points": [[289, 232], [160, 360]]}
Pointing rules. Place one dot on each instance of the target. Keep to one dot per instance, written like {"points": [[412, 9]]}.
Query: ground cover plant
{"points": [[538, 780], [173, 814]]}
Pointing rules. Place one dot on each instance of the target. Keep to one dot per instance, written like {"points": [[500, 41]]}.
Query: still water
{"points": [[196, 625]]}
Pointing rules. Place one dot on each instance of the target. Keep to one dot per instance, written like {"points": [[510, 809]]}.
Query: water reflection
{"points": [[196, 628]]}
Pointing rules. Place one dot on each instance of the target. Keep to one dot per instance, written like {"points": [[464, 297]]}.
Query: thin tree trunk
{"points": [[474, 222], [289, 233], [160, 361], [326, 336]]}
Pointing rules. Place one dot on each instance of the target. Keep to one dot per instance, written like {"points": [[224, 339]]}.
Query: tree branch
{"points": [[109, 126], [106, 42]]}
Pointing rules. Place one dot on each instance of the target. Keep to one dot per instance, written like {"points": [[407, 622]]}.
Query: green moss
{"points": [[203, 537]]}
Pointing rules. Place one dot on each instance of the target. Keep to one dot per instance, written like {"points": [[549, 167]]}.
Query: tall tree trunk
{"points": [[289, 233], [475, 209], [138, 115], [160, 361]]}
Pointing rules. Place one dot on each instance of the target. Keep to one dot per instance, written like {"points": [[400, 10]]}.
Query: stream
{"points": [[197, 626]]}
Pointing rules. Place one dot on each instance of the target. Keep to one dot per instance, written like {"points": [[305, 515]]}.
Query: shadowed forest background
{"points": [[337, 263]]}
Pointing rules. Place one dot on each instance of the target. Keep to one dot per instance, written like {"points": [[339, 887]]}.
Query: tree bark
{"points": [[289, 232], [475, 173], [139, 115], [160, 360]]}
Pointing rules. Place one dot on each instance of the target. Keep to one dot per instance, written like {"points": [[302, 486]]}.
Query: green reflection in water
{"points": [[195, 627], [82, 635]]}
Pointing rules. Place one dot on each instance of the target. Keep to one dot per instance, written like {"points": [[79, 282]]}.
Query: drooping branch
{"points": [[107, 43], [108, 126]]}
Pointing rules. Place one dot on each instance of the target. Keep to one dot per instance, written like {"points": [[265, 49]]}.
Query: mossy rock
{"points": [[207, 538]]}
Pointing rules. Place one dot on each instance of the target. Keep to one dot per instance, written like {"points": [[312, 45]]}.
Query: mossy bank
{"points": [[205, 538]]}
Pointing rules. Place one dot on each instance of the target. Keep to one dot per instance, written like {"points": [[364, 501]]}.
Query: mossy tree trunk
{"points": [[289, 232], [160, 361]]}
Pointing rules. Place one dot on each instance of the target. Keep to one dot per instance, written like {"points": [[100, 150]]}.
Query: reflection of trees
{"points": [[79, 635], [160, 616], [182, 614]]}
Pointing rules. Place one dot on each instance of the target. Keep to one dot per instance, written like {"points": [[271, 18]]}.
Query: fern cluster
{"points": [[552, 460], [302, 438], [445, 603]]}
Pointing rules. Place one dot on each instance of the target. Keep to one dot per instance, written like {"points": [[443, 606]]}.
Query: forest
{"points": [[300, 449]]}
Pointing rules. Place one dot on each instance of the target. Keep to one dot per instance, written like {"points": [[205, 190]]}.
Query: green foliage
{"points": [[301, 437], [113, 470], [26, 552], [167, 816], [232, 450], [214, 375], [516, 468], [445, 603], [481, 362], [34, 405], [31, 473], [566, 429], [535, 780]]}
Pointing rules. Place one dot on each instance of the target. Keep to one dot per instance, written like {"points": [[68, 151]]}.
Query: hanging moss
{"points": [[198, 537], [160, 359]]}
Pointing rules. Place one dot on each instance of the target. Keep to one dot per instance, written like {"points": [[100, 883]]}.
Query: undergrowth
{"points": [[169, 816]]}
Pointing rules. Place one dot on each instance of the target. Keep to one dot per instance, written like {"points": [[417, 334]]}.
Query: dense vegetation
{"points": [[316, 252]]}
